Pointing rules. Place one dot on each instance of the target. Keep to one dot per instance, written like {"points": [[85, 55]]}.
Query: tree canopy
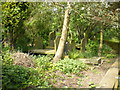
{"points": [[24, 22]]}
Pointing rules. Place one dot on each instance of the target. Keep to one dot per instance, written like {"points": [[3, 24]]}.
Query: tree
{"points": [[63, 38], [40, 23], [14, 13]]}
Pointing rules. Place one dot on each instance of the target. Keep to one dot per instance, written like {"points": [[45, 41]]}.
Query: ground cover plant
{"points": [[70, 66]]}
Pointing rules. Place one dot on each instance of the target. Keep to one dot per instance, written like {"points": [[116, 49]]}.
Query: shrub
{"points": [[111, 56], [108, 52], [14, 77], [70, 66], [86, 54]]}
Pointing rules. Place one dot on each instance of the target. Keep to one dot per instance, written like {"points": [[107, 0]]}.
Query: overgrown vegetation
{"points": [[27, 25], [43, 62], [92, 51], [70, 66], [77, 54], [15, 76]]}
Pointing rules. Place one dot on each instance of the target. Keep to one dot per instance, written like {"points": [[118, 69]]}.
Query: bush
{"points": [[14, 77], [108, 52], [70, 66], [111, 56]]}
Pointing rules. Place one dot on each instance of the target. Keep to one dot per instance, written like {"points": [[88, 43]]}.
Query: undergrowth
{"points": [[70, 66], [15, 76], [92, 49], [77, 54], [43, 62]]}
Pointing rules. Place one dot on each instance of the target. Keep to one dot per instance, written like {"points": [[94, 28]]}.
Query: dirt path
{"points": [[90, 77]]}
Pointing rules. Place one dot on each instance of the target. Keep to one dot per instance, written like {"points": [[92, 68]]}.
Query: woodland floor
{"points": [[86, 78]]}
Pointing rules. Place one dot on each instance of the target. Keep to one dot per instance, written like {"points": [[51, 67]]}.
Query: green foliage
{"points": [[15, 76], [21, 43], [43, 62], [74, 54], [40, 22], [92, 85], [111, 55], [108, 52], [86, 54], [6, 56], [13, 15], [77, 54], [23, 22], [92, 47], [70, 66]]}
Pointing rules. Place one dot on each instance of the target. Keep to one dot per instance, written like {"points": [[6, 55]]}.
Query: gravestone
{"points": [[56, 42], [67, 48], [51, 39], [92, 61], [71, 45], [38, 42]]}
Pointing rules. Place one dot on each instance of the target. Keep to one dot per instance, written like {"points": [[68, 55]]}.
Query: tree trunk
{"points": [[101, 43], [60, 50]]}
